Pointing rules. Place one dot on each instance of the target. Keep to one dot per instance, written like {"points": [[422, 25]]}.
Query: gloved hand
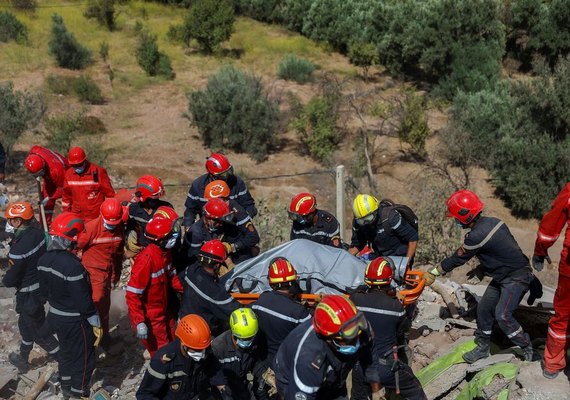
{"points": [[230, 248], [45, 201], [225, 392], [142, 331], [98, 331], [475, 276], [538, 262], [432, 274], [132, 243], [379, 395]]}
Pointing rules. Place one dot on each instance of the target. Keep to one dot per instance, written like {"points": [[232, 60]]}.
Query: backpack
{"points": [[388, 206]]}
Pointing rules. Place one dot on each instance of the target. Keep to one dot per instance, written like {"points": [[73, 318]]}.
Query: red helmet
{"points": [[280, 271], [34, 163], [213, 250], [464, 205], [379, 272], [112, 211], [337, 316], [21, 209], [158, 228], [217, 188], [76, 156], [217, 164], [166, 212], [218, 209], [67, 225], [302, 205], [149, 186]]}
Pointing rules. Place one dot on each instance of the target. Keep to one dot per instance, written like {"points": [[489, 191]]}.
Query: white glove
{"points": [[45, 201], [142, 331]]}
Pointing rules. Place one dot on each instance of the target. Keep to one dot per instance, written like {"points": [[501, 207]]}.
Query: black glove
{"points": [[535, 290], [226, 393], [475, 276], [538, 262]]}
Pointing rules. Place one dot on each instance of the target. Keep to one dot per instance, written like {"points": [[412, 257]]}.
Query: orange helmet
{"points": [[217, 164], [194, 332], [303, 204], [67, 225], [34, 163], [149, 186], [158, 228], [337, 316], [112, 211], [280, 271], [217, 188], [379, 272], [22, 209], [76, 156], [464, 205]]}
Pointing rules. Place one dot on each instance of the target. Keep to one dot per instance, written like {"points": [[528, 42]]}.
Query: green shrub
{"points": [[209, 22], [316, 126], [413, 128], [293, 13], [65, 48], [104, 50], [272, 222], [234, 112], [103, 11], [296, 69], [150, 59], [363, 55], [261, 10], [60, 84], [19, 111], [87, 90], [11, 28], [25, 5]]}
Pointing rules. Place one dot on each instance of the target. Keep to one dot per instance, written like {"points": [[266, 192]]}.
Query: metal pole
{"points": [[340, 198]]}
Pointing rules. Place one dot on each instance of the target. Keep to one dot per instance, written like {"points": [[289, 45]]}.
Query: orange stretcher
{"points": [[414, 283]]}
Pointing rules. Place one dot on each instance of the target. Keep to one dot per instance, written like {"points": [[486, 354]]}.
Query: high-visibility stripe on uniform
{"points": [[101, 240], [381, 311], [205, 296], [29, 253], [556, 335], [30, 288], [547, 238], [81, 183], [60, 275], [158, 273], [486, 239], [228, 360], [279, 315], [298, 382], [134, 290], [56, 311]]}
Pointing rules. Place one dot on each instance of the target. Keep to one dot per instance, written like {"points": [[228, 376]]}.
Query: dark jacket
{"points": [[494, 246], [323, 231], [139, 217], [172, 376]]}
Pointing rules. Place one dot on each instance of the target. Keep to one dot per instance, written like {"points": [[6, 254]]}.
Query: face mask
{"points": [[79, 170], [196, 355], [244, 344], [152, 203], [109, 227], [367, 220], [9, 228], [348, 349], [459, 224], [170, 243]]}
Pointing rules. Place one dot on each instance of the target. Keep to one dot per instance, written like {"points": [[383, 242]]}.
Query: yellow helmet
{"points": [[363, 205], [243, 323]]}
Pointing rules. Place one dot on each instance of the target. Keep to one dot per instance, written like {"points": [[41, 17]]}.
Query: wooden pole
{"points": [[340, 198]]}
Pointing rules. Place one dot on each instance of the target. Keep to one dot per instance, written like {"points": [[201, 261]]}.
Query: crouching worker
{"points": [[185, 368]]}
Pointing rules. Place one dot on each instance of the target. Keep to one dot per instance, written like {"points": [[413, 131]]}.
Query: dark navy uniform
{"points": [[139, 217], [502, 259], [307, 368], [205, 296], [385, 243], [277, 315], [195, 200], [171, 375], [66, 283], [28, 245], [388, 320], [242, 234], [324, 230], [236, 363]]}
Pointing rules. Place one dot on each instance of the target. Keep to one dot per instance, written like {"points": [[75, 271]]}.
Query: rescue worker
{"points": [[239, 353], [311, 223], [148, 191], [51, 166], [185, 368], [557, 343], [203, 293], [388, 320], [219, 222], [277, 310], [501, 258], [314, 360], [28, 245], [72, 313], [101, 245], [217, 167], [85, 187], [391, 235], [147, 295]]}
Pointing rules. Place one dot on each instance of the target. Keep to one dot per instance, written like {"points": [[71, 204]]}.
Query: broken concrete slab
{"points": [[446, 382], [6, 375], [531, 379], [461, 323], [491, 360]]}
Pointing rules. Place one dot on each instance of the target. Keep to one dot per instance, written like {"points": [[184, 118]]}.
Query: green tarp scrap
{"points": [[483, 378], [430, 372]]}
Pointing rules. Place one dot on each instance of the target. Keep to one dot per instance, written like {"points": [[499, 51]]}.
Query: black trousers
{"points": [[410, 386], [32, 326], [77, 353]]}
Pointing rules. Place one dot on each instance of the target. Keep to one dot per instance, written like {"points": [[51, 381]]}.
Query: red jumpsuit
{"points": [[147, 295], [84, 193], [102, 258], [558, 328], [52, 187]]}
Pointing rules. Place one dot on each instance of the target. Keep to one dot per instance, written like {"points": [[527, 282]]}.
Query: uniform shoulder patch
{"points": [[328, 218], [317, 363], [166, 358]]}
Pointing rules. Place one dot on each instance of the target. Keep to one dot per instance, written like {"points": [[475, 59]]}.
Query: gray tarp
{"points": [[324, 269]]}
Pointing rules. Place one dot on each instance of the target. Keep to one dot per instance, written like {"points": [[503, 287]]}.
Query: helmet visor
{"points": [[296, 217], [352, 328], [366, 220]]}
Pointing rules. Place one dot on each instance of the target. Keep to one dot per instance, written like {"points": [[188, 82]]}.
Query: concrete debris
{"points": [[455, 322], [446, 382], [537, 387], [486, 362]]}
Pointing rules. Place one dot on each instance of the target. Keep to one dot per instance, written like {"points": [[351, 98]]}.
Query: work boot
{"points": [[479, 352], [548, 374], [528, 353], [19, 361]]}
